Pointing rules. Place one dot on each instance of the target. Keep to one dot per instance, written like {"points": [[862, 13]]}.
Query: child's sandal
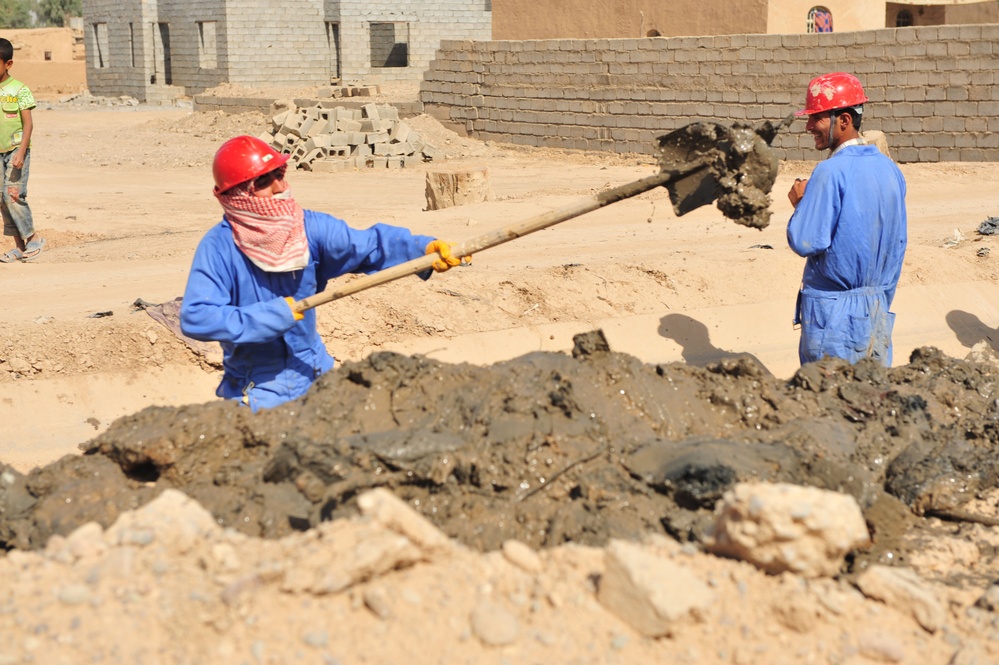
{"points": [[12, 256], [33, 249]]}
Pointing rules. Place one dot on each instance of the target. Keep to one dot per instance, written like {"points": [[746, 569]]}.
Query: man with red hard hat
{"points": [[849, 223], [266, 253]]}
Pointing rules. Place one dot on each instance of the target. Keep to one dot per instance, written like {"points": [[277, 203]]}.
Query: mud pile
{"points": [[546, 448]]}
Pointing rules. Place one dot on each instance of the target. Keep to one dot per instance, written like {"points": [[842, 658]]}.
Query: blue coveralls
{"points": [[268, 357], [851, 227]]}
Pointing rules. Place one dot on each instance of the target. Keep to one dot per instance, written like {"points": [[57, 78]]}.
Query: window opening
{"points": [[101, 40], [903, 19], [163, 70], [819, 20], [131, 45], [389, 44], [333, 40], [207, 45]]}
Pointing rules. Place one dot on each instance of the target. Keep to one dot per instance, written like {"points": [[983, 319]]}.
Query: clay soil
{"points": [[485, 400]]}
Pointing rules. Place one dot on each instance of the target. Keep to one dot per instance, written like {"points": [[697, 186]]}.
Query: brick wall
{"points": [[260, 43], [933, 90], [427, 23], [116, 66]]}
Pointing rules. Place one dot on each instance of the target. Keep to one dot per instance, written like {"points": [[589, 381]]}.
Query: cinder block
{"points": [[400, 132], [370, 111], [321, 126], [331, 165], [336, 139], [376, 137], [278, 120]]}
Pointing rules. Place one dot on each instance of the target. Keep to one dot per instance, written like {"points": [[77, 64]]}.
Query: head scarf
{"points": [[270, 231]]}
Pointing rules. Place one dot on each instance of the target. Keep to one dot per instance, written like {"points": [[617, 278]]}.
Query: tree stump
{"points": [[454, 188]]}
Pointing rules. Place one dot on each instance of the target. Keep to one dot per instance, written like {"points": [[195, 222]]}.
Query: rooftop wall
{"points": [[932, 90]]}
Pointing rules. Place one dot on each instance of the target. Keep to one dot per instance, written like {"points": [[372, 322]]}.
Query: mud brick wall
{"points": [[933, 90]]}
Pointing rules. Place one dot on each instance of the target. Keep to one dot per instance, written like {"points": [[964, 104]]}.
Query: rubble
{"points": [[328, 138]]}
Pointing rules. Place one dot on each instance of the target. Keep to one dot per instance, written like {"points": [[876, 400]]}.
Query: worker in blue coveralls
{"points": [[849, 223], [266, 253]]}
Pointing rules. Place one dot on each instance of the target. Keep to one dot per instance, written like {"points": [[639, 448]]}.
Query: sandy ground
{"points": [[123, 194]]}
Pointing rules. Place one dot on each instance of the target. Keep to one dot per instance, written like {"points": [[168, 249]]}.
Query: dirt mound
{"points": [[546, 449]]}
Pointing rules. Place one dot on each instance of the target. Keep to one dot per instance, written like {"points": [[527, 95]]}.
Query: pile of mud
{"points": [[545, 448]]}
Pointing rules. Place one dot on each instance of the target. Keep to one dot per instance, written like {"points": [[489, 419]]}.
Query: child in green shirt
{"points": [[16, 102]]}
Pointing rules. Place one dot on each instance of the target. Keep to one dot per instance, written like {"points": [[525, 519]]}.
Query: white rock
{"points": [[903, 590], [649, 592], [390, 511], [172, 517], [787, 528], [494, 625], [522, 556]]}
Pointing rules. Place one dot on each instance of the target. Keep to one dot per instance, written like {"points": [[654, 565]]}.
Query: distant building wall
{"points": [[932, 90], [423, 24], [588, 19], [623, 19], [267, 43], [791, 16], [115, 44], [150, 49]]}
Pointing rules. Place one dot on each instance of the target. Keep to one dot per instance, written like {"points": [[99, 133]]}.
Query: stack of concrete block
{"points": [[329, 138], [348, 91]]}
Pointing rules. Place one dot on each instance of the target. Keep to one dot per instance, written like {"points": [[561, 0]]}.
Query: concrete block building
{"points": [[154, 50], [627, 19]]}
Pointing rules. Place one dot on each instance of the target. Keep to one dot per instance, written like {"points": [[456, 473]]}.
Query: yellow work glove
{"points": [[446, 261], [291, 304]]}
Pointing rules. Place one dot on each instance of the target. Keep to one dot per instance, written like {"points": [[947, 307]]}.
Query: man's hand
{"points": [[446, 260], [797, 191]]}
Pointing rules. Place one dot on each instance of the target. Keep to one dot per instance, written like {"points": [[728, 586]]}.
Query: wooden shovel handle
{"points": [[487, 240]]}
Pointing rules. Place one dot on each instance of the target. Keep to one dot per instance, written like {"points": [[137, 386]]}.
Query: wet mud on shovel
{"points": [[739, 169], [699, 163]]}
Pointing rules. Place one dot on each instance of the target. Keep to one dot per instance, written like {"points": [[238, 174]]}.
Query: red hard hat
{"points": [[833, 91], [243, 158]]}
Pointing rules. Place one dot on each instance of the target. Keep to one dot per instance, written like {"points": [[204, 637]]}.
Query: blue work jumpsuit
{"points": [[850, 226], [268, 357]]}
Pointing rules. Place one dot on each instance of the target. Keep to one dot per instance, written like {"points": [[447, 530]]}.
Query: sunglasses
{"points": [[265, 180]]}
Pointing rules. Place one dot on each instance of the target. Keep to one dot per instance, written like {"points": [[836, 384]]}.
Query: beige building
{"points": [[595, 19]]}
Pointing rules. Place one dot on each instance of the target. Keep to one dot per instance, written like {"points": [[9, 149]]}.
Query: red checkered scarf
{"points": [[269, 231]]}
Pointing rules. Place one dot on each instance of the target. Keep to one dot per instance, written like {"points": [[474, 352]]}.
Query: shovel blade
{"points": [[733, 165], [687, 153]]}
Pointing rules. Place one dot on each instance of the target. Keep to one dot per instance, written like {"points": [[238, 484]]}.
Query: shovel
{"points": [[699, 163]]}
